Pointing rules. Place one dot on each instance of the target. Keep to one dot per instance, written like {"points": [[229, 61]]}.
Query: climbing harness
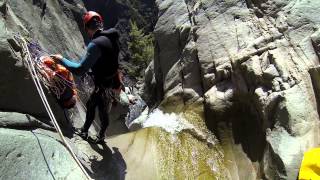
{"points": [[31, 65]]}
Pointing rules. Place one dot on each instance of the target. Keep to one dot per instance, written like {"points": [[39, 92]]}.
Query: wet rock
{"points": [[137, 123], [136, 110]]}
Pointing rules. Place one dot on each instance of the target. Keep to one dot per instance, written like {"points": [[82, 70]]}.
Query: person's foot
{"points": [[80, 132], [98, 140]]}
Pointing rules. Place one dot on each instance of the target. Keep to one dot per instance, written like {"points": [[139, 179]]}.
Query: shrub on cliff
{"points": [[141, 48]]}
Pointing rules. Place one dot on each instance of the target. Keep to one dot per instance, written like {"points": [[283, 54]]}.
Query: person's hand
{"points": [[56, 57]]}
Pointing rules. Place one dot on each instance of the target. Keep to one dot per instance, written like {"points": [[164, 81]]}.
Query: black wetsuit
{"points": [[102, 57]]}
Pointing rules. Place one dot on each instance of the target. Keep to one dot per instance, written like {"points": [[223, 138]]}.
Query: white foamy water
{"points": [[170, 122]]}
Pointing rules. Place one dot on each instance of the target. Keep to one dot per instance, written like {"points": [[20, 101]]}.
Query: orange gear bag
{"points": [[63, 79]]}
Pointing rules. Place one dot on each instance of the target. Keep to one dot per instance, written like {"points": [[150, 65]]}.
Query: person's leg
{"points": [[90, 114], [104, 105]]}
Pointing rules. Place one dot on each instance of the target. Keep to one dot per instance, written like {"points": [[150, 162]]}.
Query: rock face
{"points": [[248, 62], [36, 156], [249, 66], [25, 153], [54, 31]]}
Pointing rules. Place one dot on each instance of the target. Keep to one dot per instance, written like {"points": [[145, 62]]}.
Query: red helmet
{"points": [[89, 15]]}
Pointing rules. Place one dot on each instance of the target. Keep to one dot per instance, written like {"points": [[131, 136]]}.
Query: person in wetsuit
{"points": [[102, 58]]}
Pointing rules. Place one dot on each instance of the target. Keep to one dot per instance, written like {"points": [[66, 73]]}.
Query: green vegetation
{"points": [[141, 48]]}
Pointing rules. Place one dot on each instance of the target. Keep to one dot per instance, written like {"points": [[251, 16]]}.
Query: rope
{"points": [[36, 80]]}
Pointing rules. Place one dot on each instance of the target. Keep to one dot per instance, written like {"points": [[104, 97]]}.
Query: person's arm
{"points": [[86, 62]]}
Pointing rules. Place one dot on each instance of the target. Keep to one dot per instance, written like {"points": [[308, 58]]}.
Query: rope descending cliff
{"points": [[34, 72]]}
